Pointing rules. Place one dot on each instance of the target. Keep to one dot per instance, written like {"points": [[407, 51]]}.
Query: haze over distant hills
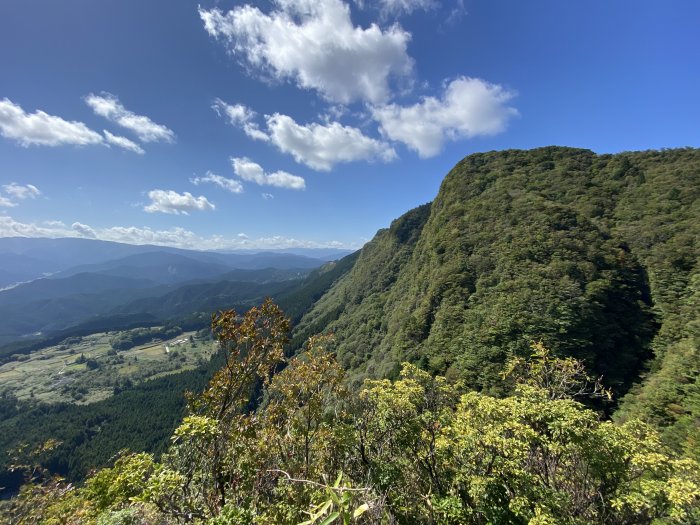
{"points": [[23, 258], [594, 256], [88, 278]]}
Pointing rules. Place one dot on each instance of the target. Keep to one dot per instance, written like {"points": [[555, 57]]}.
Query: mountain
{"points": [[205, 297], [158, 267], [45, 305], [113, 275], [170, 268], [24, 259], [30, 258], [594, 255], [325, 254], [82, 283], [597, 256]]}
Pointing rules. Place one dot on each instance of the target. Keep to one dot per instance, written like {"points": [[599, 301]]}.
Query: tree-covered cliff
{"points": [[595, 255]]}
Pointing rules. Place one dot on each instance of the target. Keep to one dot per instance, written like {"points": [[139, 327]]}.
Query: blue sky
{"points": [[312, 123]]}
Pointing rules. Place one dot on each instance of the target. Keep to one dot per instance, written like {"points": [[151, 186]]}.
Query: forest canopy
{"points": [[417, 449], [523, 349]]}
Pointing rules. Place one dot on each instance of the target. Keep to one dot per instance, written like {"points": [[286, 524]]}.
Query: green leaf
{"points": [[324, 508], [331, 518]]}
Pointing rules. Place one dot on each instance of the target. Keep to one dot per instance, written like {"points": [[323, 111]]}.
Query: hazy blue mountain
{"points": [[48, 305], [82, 283], [205, 297], [325, 254], [160, 267], [23, 259], [60, 254]]}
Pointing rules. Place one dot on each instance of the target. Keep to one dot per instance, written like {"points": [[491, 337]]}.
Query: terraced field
{"points": [[89, 369]]}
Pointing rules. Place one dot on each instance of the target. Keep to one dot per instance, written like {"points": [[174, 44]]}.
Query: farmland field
{"points": [[88, 369]]}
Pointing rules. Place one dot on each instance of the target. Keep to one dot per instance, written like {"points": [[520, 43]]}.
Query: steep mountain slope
{"points": [[353, 307], [595, 255]]}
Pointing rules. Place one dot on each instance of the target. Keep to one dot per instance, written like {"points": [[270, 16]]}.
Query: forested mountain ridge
{"points": [[595, 255], [492, 311]]}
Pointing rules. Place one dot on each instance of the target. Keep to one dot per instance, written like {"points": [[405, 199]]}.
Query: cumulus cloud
{"points": [[84, 230], [468, 107], [250, 171], [123, 142], [231, 185], [321, 146], [19, 191], [175, 203], [11, 228], [108, 106], [240, 116], [315, 44], [42, 129], [176, 237]]}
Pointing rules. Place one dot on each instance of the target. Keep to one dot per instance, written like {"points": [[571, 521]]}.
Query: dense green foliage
{"points": [[91, 434], [138, 418], [11, 351], [128, 339], [596, 255], [417, 450], [354, 307]]}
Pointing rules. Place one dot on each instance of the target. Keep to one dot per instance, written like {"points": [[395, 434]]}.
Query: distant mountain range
{"points": [[71, 281], [595, 256], [23, 259]]}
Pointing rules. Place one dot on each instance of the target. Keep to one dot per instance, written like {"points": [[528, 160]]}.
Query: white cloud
{"points": [[321, 146], [315, 44], [469, 107], [399, 7], [176, 203], [108, 106], [11, 228], [55, 224], [83, 230], [123, 142], [240, 116], [42, 129], [19, 191], [6, 203], [456, 14], [267, 196], [176, 237], [250, 171], [231, 185]]}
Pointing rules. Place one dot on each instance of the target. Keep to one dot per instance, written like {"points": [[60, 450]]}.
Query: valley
{"points": [[87, 369], [333, 262], [589, 261]]}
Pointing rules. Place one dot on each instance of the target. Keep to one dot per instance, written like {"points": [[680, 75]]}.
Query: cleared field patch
{"points": [[87, 369]]}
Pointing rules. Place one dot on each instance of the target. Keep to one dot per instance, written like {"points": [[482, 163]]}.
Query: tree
{"points": [[254, 348]]}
